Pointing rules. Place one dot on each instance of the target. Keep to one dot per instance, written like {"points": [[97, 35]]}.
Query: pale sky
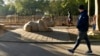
{"points": [[6, 1]]}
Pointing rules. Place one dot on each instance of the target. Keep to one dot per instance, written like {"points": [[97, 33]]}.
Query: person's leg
{"points": [[68, 23], [79, 38], [78, 41], [87, 41], [71, 23], [94, 26]]}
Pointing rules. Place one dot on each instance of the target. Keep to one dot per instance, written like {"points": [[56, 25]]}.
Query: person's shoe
{"points": [[71, 51], [89, 52]]}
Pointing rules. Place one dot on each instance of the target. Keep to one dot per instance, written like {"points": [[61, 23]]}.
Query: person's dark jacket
{"points": [[83, 22]]}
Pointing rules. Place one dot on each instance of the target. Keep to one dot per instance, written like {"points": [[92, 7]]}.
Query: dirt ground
{"points": [[73, 32], [2, 32]]}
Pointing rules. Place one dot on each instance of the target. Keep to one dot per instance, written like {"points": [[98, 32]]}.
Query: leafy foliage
{"points": [[39, 7]]}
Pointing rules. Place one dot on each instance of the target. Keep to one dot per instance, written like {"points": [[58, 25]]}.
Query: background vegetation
{"points": [[41, 7]]}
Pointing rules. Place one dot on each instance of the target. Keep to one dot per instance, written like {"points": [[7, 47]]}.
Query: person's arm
{"points": [[83, 21]]}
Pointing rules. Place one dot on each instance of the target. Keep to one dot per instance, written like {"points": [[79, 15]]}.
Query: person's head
{"points": [[81, 8]]}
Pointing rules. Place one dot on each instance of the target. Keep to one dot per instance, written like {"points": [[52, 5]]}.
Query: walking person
{"points": [[70, 19], [94, 23], [82, 25]]}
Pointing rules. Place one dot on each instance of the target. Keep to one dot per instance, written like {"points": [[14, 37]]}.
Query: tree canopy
{"points": [[40, 7]]}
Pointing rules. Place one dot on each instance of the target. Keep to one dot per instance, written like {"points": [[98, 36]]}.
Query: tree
{"points": [[11, 10], [72, 5], [1, 2], [26, 7], [97, 13], [2, 8], [53, 7]]}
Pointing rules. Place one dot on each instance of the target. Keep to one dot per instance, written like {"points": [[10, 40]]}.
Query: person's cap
{"points": [[81, 7]]}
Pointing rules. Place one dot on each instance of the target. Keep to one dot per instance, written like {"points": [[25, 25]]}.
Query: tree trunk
{"points": [[89, 7], [97, 13]]}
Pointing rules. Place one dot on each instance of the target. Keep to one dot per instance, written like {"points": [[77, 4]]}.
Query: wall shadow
{"points": [[55, 35], [16, 37]]}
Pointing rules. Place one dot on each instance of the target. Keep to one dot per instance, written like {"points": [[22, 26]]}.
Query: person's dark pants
{"points": [[94, 27], [82, 35]]}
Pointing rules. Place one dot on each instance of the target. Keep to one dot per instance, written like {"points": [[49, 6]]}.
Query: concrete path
{"points": [[11, 45], [58, 35], [31, 49]]}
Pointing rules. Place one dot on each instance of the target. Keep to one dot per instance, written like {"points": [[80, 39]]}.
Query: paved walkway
{"points": [[58, 35], [11, 44], [30, 49]]}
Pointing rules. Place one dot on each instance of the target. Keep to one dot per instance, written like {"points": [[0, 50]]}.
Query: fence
{"points": [[17, 20], [21, 20]]}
